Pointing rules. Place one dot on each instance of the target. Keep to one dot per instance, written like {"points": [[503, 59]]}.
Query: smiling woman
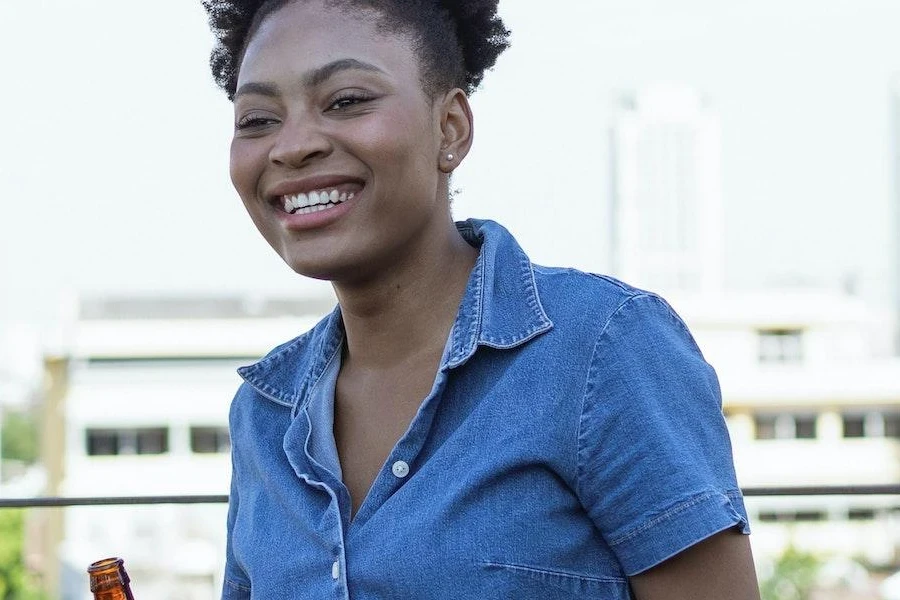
{"points": [[463, 424]]}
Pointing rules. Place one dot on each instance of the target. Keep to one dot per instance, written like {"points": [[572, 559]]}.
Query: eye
{"points": [[254, 121], [348, 100]]}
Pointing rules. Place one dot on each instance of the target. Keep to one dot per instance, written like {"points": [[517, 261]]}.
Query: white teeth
{"points": [[314, 201]]}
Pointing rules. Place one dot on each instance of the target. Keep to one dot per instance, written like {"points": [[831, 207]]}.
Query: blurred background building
{"points": [[810, 374], [136, 405], [667, 221], [895, 170]]}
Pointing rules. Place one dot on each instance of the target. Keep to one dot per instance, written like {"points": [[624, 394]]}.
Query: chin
{"points": [[322, 270]]}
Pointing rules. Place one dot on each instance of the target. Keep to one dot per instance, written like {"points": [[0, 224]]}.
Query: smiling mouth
{"points": [[302, 204]]}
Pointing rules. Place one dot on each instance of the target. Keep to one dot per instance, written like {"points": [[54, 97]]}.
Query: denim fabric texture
{"points": [[573, 437]]}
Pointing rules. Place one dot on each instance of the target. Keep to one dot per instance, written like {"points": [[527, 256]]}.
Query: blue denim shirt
{"points": [[573, 437]]}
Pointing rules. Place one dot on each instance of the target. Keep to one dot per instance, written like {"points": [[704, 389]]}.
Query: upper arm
{"points": [[720, 566], [655, 471]]}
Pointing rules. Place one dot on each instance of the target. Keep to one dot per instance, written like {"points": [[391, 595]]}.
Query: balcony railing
{"points": [[834, 490]]}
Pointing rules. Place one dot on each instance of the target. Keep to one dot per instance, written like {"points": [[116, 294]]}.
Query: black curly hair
{"points": [[458, 40]]}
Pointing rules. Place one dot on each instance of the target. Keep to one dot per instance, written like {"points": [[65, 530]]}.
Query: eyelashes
{"points": [[345, 102], [253, 122], [349, 99]]}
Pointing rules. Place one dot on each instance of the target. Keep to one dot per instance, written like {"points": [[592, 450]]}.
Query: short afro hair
{"points": [[458, 40]]}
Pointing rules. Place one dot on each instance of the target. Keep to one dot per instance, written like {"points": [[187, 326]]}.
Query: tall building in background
{"points": [[667, 192], [895, 163]]}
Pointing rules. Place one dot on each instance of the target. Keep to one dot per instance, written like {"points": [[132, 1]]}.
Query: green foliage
{"points": [[15, 582], [19, 437], [793, 576]]}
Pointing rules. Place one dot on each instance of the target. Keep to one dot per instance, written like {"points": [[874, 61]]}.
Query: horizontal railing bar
{"points": [[825, 490], [110, 500], [47, 501]]}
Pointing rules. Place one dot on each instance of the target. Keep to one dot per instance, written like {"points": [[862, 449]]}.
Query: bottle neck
{"points": [[123, 593], [109, 580]]}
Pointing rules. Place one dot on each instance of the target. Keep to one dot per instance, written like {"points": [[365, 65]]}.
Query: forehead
{"points": [[304, 35]]}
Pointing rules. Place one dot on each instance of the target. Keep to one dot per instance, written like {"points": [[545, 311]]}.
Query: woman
{"points": [[465, 424]]}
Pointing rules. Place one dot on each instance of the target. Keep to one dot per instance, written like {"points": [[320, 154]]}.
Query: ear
{"points": [[456, 130]]}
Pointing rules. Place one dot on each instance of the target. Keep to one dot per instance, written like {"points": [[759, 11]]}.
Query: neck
{"points": [[410, 309]]}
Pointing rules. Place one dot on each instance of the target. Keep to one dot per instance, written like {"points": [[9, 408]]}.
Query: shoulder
{"points": [[598, 302]]}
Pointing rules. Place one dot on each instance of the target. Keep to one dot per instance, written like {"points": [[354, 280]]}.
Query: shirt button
{"points": [[400, 469], [335, 570]]}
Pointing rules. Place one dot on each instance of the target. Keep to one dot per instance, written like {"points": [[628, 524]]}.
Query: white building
{"points": [[895, 162], [810, 388], [145, 414], [812, 397], [667, 194]]}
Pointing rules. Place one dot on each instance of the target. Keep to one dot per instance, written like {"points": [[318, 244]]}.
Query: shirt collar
{"points": [[501, 308]]}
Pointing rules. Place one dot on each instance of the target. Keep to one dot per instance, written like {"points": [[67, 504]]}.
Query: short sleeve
{"points": [[655, 468]]}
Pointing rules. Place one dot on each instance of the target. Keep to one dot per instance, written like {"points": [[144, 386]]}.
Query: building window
{"points": [[873, 424], [891, 424], [854, 426], [102, 442], [209, 440], [861, 514], [805, 427], [765, 427], [785, 426], [124, 441], [152, 440], [792, 516], [780, 346]]}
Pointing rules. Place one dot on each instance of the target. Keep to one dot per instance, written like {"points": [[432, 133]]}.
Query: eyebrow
{"points": [[312, 78], [323, 73]]}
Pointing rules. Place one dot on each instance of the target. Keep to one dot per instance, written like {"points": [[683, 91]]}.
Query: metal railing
{"points": [[51, 501], [47, 501]]}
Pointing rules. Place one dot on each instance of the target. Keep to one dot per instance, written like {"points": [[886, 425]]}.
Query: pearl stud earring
{"points": [[450, 157]]}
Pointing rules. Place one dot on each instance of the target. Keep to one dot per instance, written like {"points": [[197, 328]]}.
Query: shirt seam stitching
{"points": [[240, 586], [664, 516], [559, 573], [592, 365]]}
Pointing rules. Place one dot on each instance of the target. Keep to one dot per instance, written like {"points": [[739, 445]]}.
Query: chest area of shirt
{"points": [[487, 510], [372, 411]]}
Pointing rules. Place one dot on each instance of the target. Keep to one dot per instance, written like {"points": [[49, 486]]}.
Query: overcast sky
{"points": [[114, 141]]}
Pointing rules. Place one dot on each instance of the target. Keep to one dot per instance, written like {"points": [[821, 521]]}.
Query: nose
{"points": [[299, 141]]}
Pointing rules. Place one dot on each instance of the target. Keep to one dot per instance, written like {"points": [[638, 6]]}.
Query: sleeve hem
{"points": [[679, 528]]}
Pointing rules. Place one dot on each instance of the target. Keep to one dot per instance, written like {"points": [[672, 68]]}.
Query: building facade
{"points": [[144, 405], [811, 394], [667, 193], [895, 171]]}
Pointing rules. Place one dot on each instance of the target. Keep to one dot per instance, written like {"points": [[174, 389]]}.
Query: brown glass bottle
{"points": [[109, 581]]}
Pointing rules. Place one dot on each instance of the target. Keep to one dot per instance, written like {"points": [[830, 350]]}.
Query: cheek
{"points": [[245, 168], [398, 141]]}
